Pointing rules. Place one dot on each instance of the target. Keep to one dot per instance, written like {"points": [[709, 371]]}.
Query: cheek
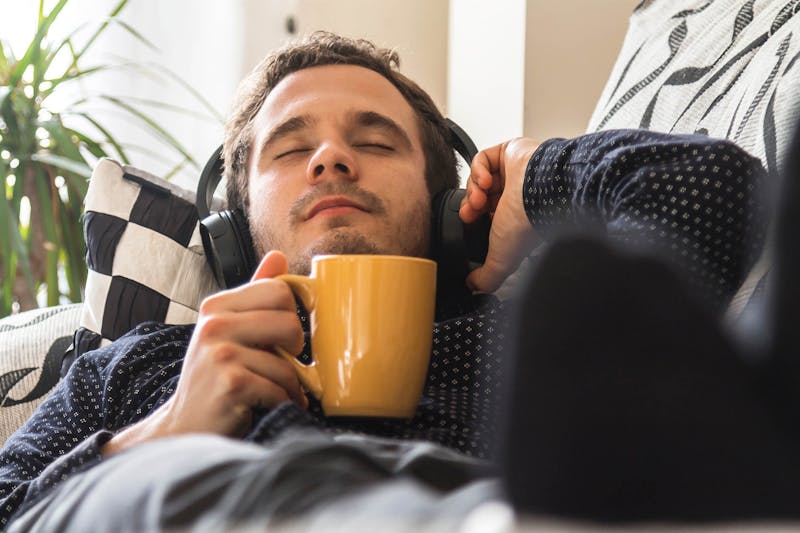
{"points": [[265, 213], [267, 196]]}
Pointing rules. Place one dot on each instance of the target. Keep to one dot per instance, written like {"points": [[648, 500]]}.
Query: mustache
{"points": [[301, 205]]}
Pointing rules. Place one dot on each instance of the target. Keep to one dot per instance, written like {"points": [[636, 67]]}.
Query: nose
{"points": [[332, 160]]}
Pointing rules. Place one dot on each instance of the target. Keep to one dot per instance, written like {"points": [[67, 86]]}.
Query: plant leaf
{"points": [[194, 92], [14, 253], [97, 33], [34, 48], [177, 168], [152, 125], [45, 209], [109, 138], [4, 92], [78, 167], [159, 72], [130, 29], [3, 59]]}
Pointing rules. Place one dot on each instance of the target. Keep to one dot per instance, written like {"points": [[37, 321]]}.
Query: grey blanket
{"points": [[305, 480]]}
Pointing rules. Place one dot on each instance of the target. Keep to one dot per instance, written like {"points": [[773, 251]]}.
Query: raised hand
{"points": [[495, 187], [230, 365]]}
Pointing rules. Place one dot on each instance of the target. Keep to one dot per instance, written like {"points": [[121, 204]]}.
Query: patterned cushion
{"points": [[32, 348], [725, 68], [144, 252]]}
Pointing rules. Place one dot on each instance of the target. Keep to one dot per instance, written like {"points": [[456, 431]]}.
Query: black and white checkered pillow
{"points": [[144, 253]]}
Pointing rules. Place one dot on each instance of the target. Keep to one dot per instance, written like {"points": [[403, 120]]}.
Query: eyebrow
{"points": [[372, 119], [286, 128], [365, 119]]}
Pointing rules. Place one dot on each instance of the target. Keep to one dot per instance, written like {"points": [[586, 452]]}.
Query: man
{"points": [[331, 150]]}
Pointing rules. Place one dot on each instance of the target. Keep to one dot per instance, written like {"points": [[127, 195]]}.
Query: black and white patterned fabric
{"points": [[32, 349], [724, 68], [144, 253]]}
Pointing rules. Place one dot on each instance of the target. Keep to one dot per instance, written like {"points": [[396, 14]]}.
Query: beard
{"points": [[340, 240], [408, 236]]}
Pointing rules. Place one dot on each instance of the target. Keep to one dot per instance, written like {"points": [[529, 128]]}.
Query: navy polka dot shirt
{"points": [[694, 197]]}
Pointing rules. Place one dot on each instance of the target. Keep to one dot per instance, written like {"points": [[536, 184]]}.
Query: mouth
{"points": [[335, 205]]}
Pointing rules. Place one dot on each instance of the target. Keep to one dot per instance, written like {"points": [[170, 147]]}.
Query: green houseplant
{"points": [[45, 160]]}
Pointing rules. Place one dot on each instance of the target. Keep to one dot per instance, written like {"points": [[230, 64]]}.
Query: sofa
{"points": [[723, 68]]}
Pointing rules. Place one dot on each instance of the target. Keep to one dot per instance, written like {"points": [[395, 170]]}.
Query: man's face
{"points": [[337, 166]]}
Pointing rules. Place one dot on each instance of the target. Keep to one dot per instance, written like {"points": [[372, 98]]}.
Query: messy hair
{"points": [[324, 48]]}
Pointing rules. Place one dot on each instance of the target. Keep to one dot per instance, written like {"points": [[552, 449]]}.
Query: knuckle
{"points": [[285, 295], [279, 294], [209, 304], [211, 326], [223, 353], [232, 382]]}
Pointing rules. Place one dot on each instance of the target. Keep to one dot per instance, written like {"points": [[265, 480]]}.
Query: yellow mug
{"points": [[371, 332]]}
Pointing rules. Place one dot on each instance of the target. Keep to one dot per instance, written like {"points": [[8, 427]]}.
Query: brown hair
{"points": [[324, 48]]}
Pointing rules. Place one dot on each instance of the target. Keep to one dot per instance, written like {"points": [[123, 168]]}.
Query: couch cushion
{"points": [[727, 68], [32, 348], [144, 253]]}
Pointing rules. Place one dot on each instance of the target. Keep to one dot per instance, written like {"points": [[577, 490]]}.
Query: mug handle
{"points": [[303, 287]]}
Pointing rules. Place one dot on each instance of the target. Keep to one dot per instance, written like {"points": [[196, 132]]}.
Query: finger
{"points": [[487, 278], [265, 293], [473, 205], [277, 370], [252, 390], [468, 213], [273, 264], [506, 250], [484, 165], [476, 198], [254, 328]]}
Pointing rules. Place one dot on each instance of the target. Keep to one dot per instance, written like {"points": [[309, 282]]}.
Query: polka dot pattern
{"points": [[698, 201], [693, 195]]}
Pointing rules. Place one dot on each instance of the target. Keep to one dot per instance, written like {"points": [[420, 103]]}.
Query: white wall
{"points": [[486, 70], [570, 47], [417, 29]]}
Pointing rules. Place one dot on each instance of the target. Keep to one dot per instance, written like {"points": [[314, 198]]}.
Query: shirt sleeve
{"points": [[696, 200], [53, 442]]}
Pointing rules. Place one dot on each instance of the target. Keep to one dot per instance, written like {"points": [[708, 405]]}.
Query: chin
{"points": [[338, 241]]}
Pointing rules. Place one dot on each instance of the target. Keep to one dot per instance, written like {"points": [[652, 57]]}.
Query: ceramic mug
{"points": [[371, 332]]}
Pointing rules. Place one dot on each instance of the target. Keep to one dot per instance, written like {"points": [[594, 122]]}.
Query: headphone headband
{"points": [[209, 179]]}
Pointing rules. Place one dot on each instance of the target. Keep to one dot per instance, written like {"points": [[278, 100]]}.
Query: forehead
{"points": [[331, 92]]}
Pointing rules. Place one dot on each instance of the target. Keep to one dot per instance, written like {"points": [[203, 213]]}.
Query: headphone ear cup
{"points": [[457, 248], [448, 249], [228, 247]]}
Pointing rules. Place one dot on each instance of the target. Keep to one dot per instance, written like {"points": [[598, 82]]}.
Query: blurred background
{"points": [[149, 83], [500, 69]]}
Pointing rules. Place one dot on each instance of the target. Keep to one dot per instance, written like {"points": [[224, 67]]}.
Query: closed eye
{"points": [[292, 151], [379, 146]]}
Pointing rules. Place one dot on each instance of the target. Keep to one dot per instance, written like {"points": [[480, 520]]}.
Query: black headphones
{"points": [[457, 248]]}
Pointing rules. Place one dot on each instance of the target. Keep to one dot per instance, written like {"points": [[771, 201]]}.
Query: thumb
{"points": [[488, 277], [509, 242], [273, 264]]}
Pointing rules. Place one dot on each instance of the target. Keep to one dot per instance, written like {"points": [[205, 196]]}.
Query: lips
{"points": [[333, 203]]}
